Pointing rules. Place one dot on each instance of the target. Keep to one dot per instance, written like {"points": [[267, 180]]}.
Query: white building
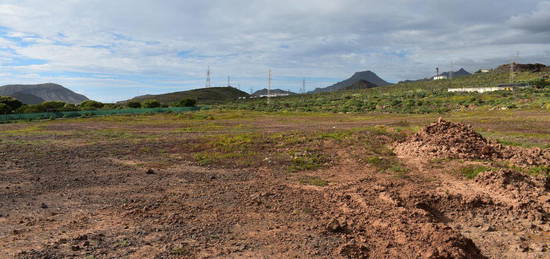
{"points": [[441, 77], [480, 89]]}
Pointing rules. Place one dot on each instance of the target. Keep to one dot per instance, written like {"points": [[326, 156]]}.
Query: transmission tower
{"points": [[303, 90], [208, 78], [512, 64], [228, 80], [269, 88]]}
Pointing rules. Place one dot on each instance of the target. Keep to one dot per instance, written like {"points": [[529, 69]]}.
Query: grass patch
{"points": [[313, 180], [539, 171], [307, 160], [472, 171]]}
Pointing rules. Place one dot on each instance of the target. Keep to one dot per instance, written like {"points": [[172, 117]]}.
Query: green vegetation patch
{"points": [[539, 171], [313, 180], [471, 171], [307, 160]]}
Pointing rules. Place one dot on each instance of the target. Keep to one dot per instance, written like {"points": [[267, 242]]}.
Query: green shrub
{"points": [[53, 106], [4, 108], [69, 107], [31, 108], [133, 104], [91, 105], [10, 104], [150, 104], [186, 103]]}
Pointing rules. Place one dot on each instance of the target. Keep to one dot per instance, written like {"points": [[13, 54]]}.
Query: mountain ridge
{"points": [[367, 76], [38, 93], [209, 95]]}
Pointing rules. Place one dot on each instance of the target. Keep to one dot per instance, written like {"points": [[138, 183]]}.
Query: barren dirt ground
{"points": [[242, 184]]}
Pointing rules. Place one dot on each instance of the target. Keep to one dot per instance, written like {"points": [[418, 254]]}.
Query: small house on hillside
{"points": [[440, 77]]}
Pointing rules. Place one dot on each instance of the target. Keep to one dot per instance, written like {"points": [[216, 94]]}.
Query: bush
{"points": [[10, 104], [4, 108], [91, 105], [133, 104], [186, 103], [31, 108], [69, 107], [150, 104], [53, 106]]}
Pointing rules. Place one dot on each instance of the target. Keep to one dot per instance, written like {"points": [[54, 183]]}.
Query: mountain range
{"points": [[369, 77], [35, 94]]}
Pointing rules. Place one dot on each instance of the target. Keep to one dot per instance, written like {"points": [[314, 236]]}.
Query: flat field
{"points": [[266, 185]]}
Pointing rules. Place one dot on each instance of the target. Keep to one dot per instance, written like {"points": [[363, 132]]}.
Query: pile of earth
{"points": [[445, 139], [525, 192]]}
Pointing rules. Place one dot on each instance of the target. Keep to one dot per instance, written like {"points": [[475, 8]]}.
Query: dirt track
{"points": [[98, 200]]}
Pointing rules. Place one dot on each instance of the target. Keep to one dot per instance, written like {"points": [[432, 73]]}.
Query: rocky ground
{"points": [[84, 199]]}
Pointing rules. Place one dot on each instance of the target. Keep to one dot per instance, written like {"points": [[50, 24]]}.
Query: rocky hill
{"points": [[34, 94], [454, 74], [367, 76], [361, 84], [210, 95]]}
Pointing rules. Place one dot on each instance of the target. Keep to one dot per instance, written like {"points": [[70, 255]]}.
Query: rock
{"points": [[488, 228], [150, 171], [43, 206], [336, 226]]}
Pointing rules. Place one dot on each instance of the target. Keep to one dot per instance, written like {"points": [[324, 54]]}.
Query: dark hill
{"points": [[459, 73], [210, 95], [33, 94], [273, 91], [361, 84], [533, 68], [367, 76]]}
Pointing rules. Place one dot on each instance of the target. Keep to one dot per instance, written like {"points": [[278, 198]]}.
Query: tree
{"points": [[4, 108], [150, 104], [53, 106], [11, 104], [69, 107], [133, 104], [186, 103], [91, 105]]}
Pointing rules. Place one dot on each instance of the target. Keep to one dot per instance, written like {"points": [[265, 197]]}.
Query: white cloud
{"points": [[399, 39]]}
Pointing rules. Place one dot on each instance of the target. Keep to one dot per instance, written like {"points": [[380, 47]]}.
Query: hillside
{"points": [[273, 91], [34, 94], [368, 76], [454, 74], [361, 84], [212, 95], [415, 97]]}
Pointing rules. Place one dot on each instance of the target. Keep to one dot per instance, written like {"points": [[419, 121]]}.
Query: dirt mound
{"points": [[525, 156], [445, 139], [523, 191]]}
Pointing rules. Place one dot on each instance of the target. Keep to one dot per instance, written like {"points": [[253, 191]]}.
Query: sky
{"points": [[114, 50]]}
